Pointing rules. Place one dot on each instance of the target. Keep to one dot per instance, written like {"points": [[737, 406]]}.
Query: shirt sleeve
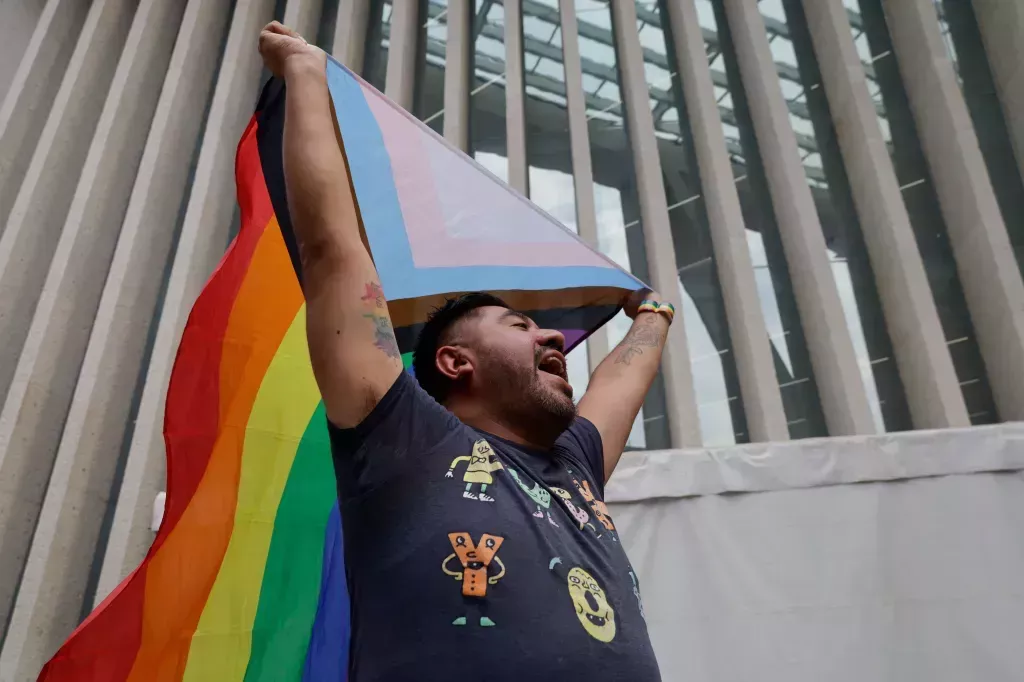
{"points": [[404, 424], [582, 443]]}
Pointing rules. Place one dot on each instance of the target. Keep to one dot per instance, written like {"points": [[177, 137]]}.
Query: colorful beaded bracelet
{"points": [[647, 306]]}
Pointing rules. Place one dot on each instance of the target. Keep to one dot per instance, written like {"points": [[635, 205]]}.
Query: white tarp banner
{"points": [[892, 558]]}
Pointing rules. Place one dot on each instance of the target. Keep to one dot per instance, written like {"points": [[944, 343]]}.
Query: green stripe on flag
{"points": [[407, 360], [291, 580]]}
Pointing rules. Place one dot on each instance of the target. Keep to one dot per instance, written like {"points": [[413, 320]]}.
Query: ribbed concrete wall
{"points": [[118, 126]]}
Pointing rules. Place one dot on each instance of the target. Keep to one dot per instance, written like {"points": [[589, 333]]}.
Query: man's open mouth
{"points": [[599, 621], [553, 362]]}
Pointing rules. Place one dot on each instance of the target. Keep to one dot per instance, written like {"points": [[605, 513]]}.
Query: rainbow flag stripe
{"points": [[246, 580]]}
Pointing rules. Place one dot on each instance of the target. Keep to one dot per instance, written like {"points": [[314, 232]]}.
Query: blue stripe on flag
{"points": [[370, 167], [428, 281], [327, 656]]}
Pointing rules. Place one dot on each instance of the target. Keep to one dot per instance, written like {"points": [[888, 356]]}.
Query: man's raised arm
{"points": [[351, 341], [618, 386]]}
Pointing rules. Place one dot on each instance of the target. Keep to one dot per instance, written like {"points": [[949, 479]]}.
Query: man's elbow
{"points": [[328, 255]]}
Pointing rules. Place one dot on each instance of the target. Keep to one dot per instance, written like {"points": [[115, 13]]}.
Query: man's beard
{"points": [[524, 401]]}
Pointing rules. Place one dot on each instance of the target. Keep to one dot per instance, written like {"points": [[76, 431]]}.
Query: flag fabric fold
{"points": [[245, 579]]}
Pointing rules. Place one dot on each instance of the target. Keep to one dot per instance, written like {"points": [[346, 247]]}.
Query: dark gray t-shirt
{"points": [[471, 558]]}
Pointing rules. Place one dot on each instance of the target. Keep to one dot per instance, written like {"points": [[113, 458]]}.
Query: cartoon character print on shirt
{"points": [[481, 464], [475, 560], [538, 494], [599, 508], [636, 593], [581, 516], [590, 602]]}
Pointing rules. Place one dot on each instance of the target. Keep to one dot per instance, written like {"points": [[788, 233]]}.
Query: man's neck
{"points": [[472, 415]]}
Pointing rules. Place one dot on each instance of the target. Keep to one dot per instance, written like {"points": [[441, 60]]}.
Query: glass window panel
{"points": [[538, 29], [375, 57], [599, 53], [706, 15], [490, 47], [551, 69], [620, 234], [782, 51], [428, 103], [771, 271], [772, 9], [488, 142], [591, 83], [923, 207], [556, 38], [963, 41], [657, 77], [712, 363], [496, 15], [593, 12], [790, 89]]}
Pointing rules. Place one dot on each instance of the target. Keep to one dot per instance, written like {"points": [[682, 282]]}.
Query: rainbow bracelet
{"points": [[648, 306]]}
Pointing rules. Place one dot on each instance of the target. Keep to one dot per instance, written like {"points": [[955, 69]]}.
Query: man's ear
{"points": [[454, 362]]}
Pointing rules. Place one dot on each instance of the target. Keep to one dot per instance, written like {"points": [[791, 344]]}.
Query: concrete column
{"points": [[39, 210], [925, 366], [350, 32], [984, 257], [458, 76], [24, 108], [579, 148], [1001, 23], [51, 593], [204, 236], [50, 597], [17, 23], [515, 98], [681, 404], [27, 247], [304, 16], [762, 399], [404, 37], [843, 394]]}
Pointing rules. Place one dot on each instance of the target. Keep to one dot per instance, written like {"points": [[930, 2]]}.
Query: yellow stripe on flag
{"points": [[287, 398]]}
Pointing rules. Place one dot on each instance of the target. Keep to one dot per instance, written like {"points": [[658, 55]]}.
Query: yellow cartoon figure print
{"points": [[475, 559], [591, 603], [481, 465]]}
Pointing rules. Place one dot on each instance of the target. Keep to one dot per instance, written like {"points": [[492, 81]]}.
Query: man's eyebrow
{"points": [[515, 313]]}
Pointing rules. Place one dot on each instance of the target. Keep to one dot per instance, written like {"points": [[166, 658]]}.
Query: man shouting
{"points": [[477, 543]]}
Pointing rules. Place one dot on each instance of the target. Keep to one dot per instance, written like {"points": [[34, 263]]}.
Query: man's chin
{"points": [[557, 384], [561, 406]]}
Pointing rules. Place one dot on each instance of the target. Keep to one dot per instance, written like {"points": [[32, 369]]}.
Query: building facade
{"points": [[829, 190]]}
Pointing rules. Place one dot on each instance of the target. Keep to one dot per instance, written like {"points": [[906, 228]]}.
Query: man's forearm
{"points": [[638, 354], [620, 383], [323, 214]]}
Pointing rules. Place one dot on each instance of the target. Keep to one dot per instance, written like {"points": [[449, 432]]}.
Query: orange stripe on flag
{"points": [[181, 574]]}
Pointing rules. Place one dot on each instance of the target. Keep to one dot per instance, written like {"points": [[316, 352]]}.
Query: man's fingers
{"points": [[280, 29]]}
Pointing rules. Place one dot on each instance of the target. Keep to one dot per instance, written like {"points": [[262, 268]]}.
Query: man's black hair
{"points": [[434, 335]]}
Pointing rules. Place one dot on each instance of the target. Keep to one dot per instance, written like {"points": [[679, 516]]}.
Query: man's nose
{"points": [[551, 338]]}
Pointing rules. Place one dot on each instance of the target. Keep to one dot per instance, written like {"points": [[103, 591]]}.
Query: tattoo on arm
{"points": [[372, 293], [384, 333], [384, 336], [643, 334]]}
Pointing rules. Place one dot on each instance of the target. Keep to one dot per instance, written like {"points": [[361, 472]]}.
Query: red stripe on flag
{"points": [[105, 645], [193, 412]]}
